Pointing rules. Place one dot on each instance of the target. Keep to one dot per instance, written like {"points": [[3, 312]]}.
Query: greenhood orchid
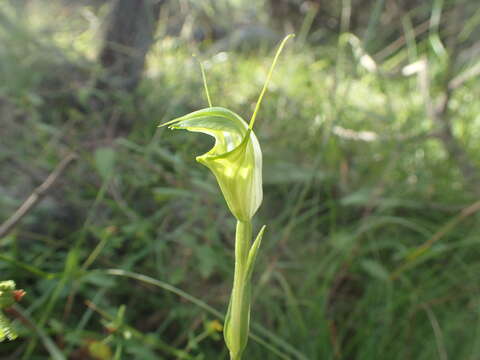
{"points": [[236, 162], [235, 159]]}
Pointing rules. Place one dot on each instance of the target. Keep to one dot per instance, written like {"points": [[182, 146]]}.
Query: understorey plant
{"points": [[236, 162], [9, 295]]}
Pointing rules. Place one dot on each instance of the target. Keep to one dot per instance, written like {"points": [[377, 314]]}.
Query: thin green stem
{"points": [[238, 315]]}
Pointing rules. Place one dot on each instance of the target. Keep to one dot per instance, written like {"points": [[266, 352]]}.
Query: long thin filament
{"points": [[267, 81], [205, 84]]}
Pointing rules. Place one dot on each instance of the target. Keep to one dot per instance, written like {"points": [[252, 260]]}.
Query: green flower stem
{"points": [[238, 326]]}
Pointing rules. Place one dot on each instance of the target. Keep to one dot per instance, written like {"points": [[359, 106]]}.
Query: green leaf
{"points": [[207, 260], [252, 254], [375, 269], [105, 162], [162, 194]]}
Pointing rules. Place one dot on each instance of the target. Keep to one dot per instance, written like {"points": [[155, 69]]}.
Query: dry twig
{"points": [[36, 195]]}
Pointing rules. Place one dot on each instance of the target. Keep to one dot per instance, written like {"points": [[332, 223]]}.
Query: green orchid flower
{"points": [[236, 161]]}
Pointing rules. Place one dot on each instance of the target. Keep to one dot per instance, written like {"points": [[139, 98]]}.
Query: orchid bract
{"points": [[236, 162]]}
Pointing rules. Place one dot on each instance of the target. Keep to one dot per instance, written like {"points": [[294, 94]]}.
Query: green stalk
{"points": [[238, 314]]}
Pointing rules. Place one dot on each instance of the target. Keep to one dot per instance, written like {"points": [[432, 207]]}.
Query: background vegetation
{"points": [[370, 133]]}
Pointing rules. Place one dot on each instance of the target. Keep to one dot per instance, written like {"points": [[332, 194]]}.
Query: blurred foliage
{"points": [[372, 250]]}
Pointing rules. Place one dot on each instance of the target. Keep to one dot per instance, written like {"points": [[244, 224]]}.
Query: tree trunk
{"points": [[129, 35]]}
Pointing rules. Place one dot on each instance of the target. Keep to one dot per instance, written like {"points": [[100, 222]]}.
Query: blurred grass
{"points": [[355, 182]]}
